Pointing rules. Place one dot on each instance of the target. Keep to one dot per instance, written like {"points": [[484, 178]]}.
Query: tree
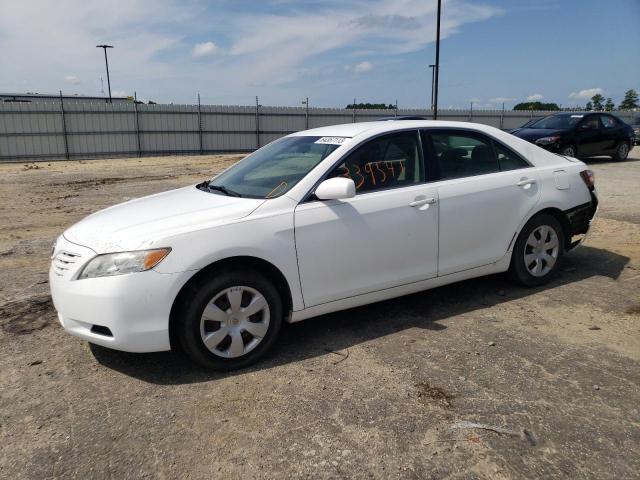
{"points": [[597, 100], [536, 106], [589, 106], [630, 100], [370, 106], [609, 106]]}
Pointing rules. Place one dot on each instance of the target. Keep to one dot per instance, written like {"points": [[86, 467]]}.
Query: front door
{"points": [[385, 236]]}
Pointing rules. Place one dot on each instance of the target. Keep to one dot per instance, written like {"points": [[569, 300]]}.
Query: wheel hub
{"points": [[234, 321], [541, 250]]}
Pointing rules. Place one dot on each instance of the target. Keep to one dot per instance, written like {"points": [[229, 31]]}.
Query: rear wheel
{"points": [[230, 320], [622, 151], [537, 251]]}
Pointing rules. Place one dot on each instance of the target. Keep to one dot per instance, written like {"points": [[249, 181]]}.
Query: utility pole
{"points": [[257, 123], [435, 98], [306, 113], [106, 62], [433, 78], [354, 109]]}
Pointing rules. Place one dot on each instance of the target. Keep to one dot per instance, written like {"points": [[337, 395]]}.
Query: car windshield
{"points": [[555, 122], [275, 168]]}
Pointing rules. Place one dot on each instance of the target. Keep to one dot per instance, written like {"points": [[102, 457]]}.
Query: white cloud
{"points": [[501, 100], [359, 67], [205, 49], [587, 93], [119, 93], [535, 97], [72, 79], [156, 51]]}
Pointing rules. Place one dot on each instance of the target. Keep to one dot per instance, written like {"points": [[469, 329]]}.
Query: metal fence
{"points": [[74, 130]]}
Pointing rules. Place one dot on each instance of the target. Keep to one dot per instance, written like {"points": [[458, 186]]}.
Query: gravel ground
{"points": [[376, 391]]}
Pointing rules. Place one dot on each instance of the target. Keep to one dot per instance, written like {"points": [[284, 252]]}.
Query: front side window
{"points": [[590, 123], [391, 161], [274, 169], [460, 154]]}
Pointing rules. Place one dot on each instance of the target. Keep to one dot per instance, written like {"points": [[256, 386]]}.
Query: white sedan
{"points": [[318, 221]]}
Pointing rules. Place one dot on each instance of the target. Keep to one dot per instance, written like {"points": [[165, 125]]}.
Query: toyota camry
{"points": [[315, 222]]}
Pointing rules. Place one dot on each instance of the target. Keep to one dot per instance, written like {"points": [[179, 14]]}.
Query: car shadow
{"points": [[338, 331]]}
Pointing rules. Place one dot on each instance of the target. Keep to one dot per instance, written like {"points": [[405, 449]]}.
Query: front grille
{"points": [[63, 262]]}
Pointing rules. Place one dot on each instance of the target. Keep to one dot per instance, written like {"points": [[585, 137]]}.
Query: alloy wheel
{"points": [[234, 321], [541, 251], [623, 151]]}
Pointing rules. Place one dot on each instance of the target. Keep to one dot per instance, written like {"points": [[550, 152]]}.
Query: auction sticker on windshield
{"points": [[331, 140]]}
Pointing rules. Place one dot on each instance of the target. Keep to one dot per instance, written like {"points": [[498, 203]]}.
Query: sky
{"points": [[333, 51]]}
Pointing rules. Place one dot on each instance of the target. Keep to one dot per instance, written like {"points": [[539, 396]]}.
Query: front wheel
{"points": [[230, 320], [537, 251], [622, 151], [568, 151]]}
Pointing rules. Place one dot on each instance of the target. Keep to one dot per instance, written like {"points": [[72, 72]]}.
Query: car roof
{"points": [[352, 130]]}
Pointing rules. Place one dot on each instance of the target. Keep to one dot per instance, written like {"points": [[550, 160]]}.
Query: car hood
{"points": [[536, 133], [142, 222]]}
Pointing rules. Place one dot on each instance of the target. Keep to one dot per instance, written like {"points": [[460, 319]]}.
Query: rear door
{"points": [[484, 191]]}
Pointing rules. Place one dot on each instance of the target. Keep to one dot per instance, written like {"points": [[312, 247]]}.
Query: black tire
{"points": [[197, 297], [518, 271], [569, 151], [622, 152]]}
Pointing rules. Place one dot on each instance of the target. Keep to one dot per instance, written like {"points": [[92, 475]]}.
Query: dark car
{"points": [[635, 124], [585, 134], [401, 117]]}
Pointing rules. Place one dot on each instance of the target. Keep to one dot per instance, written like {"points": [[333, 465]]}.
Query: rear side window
{"points": [[390, 161], [458, 154], [507, 159]]}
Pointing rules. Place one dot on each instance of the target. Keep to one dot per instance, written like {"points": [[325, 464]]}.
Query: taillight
{"points": [[589, 179]]}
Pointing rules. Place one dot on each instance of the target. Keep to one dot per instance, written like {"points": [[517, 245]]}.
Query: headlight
{"points": [[53, 246], [111, 264], [548, 140]]}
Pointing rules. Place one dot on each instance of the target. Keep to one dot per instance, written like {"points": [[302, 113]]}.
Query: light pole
{"points": [[435, 98], [433, 73], [106, 62]]}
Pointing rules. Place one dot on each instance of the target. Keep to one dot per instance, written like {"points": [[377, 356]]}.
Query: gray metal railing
{"points": [[73, 130]]}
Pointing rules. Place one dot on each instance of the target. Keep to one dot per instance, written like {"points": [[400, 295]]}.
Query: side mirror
{"points": [[336, 188]]}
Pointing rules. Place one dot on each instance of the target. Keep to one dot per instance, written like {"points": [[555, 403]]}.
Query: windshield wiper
{"points": [[225, 190]]}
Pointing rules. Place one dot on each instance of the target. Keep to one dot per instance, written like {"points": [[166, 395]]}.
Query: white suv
{"points": [[318, 221]]}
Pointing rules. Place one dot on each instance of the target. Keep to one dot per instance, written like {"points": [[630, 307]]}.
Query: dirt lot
{"points": [[370, 392]]}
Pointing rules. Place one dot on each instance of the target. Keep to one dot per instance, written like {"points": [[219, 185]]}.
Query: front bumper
{"points": [[124, 312], [550, 147]]}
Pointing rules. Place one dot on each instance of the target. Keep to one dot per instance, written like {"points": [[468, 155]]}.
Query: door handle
{"points": [[423, 201], [526, 182]]}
